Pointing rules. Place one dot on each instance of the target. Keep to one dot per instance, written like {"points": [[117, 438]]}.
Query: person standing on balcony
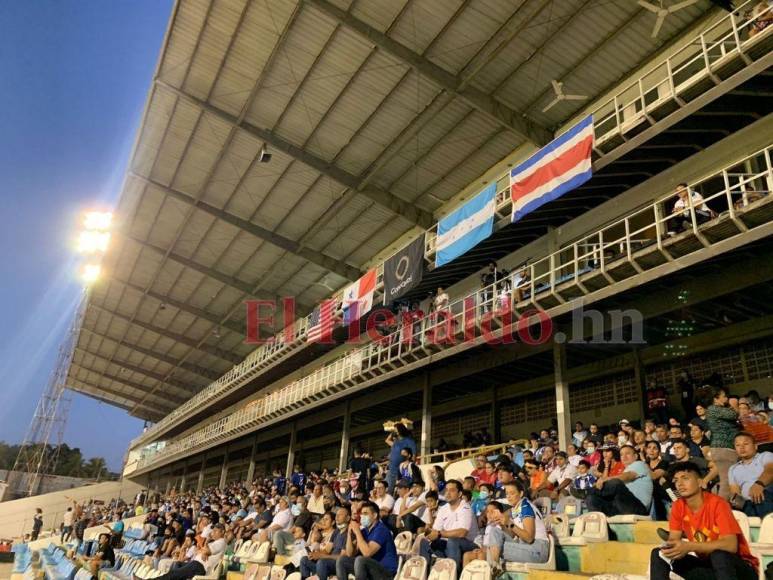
{"points": [[398, 440], [681, 220]]}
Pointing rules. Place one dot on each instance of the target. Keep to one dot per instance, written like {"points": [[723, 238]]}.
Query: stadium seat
{"points": [[526, 567], [743, 522], [443, 569], [544, 504], [476, 570], [415, 568], [558, 525], [260, 552], [588, 528], [404, 542]]}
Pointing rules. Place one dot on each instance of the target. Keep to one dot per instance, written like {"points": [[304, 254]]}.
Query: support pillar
{"points": [[291, 451], [563, 410], [641, 382], [168, 487], [495, 417], [343, 458], [200, 483], [426, 417], [224, 471], [183, 478], [251, 468]]}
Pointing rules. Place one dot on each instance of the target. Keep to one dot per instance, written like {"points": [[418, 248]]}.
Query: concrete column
{"points": [[251, 468], [563, 410], [291, 451], [200, 483], [495, 417], [641, 382], [184, 478], [343, 458], [224, 471], [426, 417], [168, 487]]}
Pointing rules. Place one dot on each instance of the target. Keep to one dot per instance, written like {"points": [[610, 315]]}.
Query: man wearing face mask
{"points": [[322, 562], [370, 552]]}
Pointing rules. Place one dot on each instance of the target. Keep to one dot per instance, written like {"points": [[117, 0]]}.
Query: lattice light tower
{"points": [[39, 452]]}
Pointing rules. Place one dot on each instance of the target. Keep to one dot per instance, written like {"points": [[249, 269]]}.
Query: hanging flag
{"points": [[358, 297], [557, 168], [404, 270], [321, 322], [466, 227]]}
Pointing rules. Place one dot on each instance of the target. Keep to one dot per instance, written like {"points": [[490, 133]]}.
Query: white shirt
{"points": [[217, 547], [67, 519], [453, 519], [385, 503], [422, 512], [697, 202], [559, 474], [316, 505], [398, 506], [283, 519], [574, 459]]}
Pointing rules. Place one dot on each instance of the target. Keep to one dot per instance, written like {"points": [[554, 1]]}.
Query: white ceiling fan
{"points": [[558, 88], [662, 11]]}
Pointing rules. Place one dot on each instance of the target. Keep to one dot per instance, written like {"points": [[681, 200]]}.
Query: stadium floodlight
{"points": [[91, 241], [91, 273], [97, 220]]}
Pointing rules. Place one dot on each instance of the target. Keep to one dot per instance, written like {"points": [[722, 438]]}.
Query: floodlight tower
{"points": [[39, 452]]}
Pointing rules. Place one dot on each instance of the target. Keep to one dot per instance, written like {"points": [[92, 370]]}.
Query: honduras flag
{"points": [[466, 227], [556, 169]]}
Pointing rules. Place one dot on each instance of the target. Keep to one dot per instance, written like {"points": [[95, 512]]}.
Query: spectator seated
{"points": [[527, 566]]}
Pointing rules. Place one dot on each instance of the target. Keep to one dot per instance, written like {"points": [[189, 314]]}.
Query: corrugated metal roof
{"points": [[288, 71]]}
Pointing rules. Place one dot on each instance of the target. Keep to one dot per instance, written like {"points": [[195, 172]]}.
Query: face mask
{"points": [[591, 450], [770, 404], [483, 494], [622, 439], [342, 527], [295, 509], [365, 521]]}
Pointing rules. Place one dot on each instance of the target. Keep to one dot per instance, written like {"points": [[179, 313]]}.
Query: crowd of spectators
{"points": [[329, 523]]}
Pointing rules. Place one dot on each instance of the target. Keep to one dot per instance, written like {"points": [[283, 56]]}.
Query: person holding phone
{"points": [[370, 552], [704, 539]]}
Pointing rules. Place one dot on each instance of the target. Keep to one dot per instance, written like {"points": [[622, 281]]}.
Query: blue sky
{"points": [[75, 74]]}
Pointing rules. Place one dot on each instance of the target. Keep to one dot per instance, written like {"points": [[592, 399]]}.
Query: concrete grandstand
{"points": [[288, 149]]}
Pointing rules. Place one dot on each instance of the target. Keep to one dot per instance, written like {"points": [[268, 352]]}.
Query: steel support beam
{"points": [[291, 451], [216, 352], [486, 104], [399, 206], [266, 235], [182, 306], [166, 399], [205, 374], [179, 385], [96, 391], [251, 468]]}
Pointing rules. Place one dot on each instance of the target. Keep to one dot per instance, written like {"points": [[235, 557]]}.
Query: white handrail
{"points": [[629, 105], [373, 356]]}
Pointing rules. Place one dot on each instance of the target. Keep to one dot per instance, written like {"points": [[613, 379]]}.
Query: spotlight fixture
{"points": [[216, 332], [162, 306], [264, 156]]}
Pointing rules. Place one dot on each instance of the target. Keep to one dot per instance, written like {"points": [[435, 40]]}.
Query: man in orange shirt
{"points": [[711, 532]]}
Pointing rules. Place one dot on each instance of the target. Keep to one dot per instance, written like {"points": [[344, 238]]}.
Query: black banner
{"points": [[403, 271]]}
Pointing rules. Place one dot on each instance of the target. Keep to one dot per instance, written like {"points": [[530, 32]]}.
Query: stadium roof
{"points": [[376, 113]]}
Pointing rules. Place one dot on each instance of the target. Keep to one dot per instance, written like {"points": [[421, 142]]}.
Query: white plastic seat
{"points": [[259, 552], [294, 576], [404, 542], [255, 571], [476, 570], [214, 575], [415, 568], [544, 504], [743, 522], [526, 566], [588, 528], [443, 569], [558, 525]]}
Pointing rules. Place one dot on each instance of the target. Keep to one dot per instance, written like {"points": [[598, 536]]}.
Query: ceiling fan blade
{"points": [[556, 87], [649, 6], [552, 104], [575, 97], [658, 25], [680, 5]]}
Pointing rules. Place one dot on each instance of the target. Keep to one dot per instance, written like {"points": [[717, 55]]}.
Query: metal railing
{"points": [[730, 194], [633, 104]]}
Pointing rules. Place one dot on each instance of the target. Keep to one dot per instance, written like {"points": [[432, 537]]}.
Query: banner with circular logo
{"points": [[404, 270]]}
